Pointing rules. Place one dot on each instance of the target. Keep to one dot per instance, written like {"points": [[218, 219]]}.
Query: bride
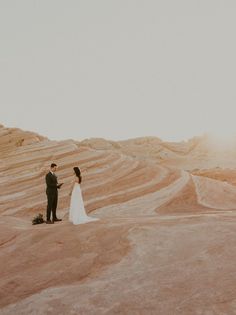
{"points": [[77, 213]]}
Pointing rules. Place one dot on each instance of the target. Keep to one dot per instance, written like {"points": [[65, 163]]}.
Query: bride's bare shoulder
{"points": [[76, 179]]}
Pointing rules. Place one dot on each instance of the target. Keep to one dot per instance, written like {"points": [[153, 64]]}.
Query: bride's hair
{"points": [[78, 173]]}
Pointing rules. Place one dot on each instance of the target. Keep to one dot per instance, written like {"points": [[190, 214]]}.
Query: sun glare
{"points": [[222, 138]]}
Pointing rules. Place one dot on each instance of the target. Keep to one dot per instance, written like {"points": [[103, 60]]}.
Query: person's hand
{"points": [[59, 186]]}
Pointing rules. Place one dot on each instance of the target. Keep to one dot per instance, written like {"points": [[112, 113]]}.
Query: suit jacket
{"points": [[51, 182]]}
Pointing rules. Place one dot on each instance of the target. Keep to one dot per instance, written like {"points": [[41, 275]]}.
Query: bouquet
{"points": [[38, 219]]}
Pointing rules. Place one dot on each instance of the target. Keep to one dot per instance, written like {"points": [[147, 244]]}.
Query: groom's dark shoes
{"points": [[55, 220], [49, 222]]}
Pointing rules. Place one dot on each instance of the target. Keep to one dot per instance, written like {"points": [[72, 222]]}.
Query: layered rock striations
{"points": [[165, 242]]}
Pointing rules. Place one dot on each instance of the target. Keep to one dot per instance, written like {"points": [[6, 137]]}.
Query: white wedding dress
{"points": [[77, 213]]}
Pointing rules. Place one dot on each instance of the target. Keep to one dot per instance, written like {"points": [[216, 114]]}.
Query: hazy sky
{"points": [[118, 69]]}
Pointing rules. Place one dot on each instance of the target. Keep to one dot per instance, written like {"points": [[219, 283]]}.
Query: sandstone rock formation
{"points": [[164, 244]]}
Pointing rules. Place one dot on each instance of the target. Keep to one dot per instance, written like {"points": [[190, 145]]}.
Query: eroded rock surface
{"points": [[165, 242]]}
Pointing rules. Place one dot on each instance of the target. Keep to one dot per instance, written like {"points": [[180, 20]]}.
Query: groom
{"points": [[52, 194]]}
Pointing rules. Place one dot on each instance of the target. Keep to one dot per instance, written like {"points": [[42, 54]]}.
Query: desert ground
{"points": [[165, 241]]}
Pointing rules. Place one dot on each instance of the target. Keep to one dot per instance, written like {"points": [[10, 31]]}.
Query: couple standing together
{"points": [[77, 213]]}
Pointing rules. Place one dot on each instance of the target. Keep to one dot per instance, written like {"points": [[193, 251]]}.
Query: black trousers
{"points": [[52, 204]]}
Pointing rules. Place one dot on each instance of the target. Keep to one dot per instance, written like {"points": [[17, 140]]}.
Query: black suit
{"points": [[52, 195]]}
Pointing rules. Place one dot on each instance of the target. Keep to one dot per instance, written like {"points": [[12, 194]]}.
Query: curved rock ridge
{"points": [[164, 242], [14, 138], [109, 176]]}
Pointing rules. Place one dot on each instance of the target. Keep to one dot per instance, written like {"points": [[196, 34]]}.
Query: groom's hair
{"points": [[53, 165]]}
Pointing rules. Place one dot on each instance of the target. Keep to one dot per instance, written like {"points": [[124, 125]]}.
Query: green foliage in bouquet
{"points": [[38, 219]]}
